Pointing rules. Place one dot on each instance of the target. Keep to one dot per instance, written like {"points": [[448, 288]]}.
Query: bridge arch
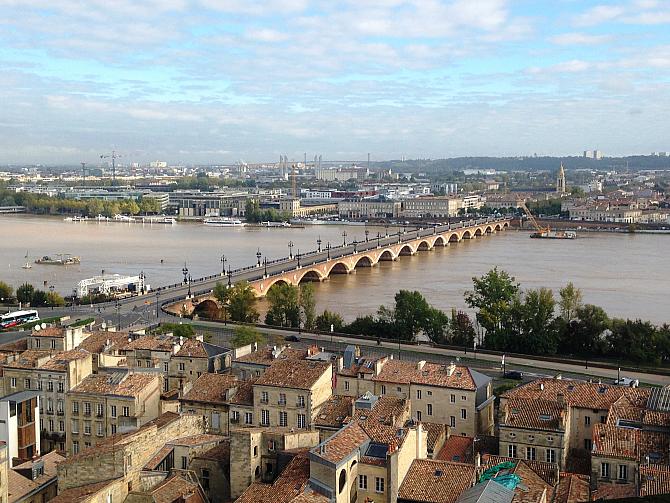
{"points": [[263, 288], [386, 255], [489, 229], [467, 235], [424, 246], [311, 275], [478, 231], [454, 238], [208, 308], [440, 241], [339, 268], [497, 227], [364, 261], [406, 250]]}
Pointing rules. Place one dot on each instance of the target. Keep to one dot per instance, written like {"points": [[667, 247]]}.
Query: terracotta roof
{"points": [[534, 414], [49, 332], [572, 488], [430, 374], [199, 439], [130, 385], [611, 491], [362, 365], [264, 356], [244, 394], [654, 479], [382, 422], [434, 481], [177, 489], [161, 342], [20, 486], [29, 359], [219, 453], [290, 484], [59, 362], [82, 493], [158, 458], [212, 388], [577, 393], [14, 347], [297, 374], [193, 348], [342, 444], [334, 411], [456, 448], [434, 430], [97, 341]]}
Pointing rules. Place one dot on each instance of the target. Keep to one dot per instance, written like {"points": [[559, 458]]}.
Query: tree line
{"points": [[27, 294], [254, 213]]}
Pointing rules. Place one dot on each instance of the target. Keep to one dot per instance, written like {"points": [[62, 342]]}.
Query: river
{"points": [[625, 274]]}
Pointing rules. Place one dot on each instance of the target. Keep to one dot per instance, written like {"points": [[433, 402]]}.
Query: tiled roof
{"points": [[193, 348], [82, 493], [342, 444], [534, 414], [611, 441], [430, 374], [572, 488], [297, 374], [577, 393], [244, 394], [158, 458], [612, 491], [264, 356], [548, 472], [219, 453], [434, 430], [29, 359], [20, 486], [59, 362], [360, 366], [162, 342], [334, 411], [290, 484], [654, 479], [383, 421], [193, 440], [49, 332], [456, 448], [97, 341], [211, 388], [177, 489], [129, 386], [433, 481]]}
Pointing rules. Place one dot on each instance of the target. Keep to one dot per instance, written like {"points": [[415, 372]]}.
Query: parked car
{"points": [[292, 338], [514, 374], [626, 381]]}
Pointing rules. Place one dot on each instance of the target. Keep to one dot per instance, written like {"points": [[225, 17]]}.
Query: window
{"points": [[37, 343], [346, 385], [551, 455], [50, 406], [383, 389], [429, 409], [235, 416], [50, 386], [61, 426], [59, 406], [113, 429], [283, 418], [51, 424], [75, 407], [182, 367], [139, 363], [343, 480], [100, 431], [301, 400], [39, 384], [112, 410], [99, 410], [75, 447], [13, 382], [87, 427], [587, 420], [282, 398], [530, 453], [75, 426], [452, 398], [429, 393], [248, 418], [605, 470], [398, 389], [26, 383], [87, 408], [511, 451], [418, 415], [603, 419], [623, 472], [126, 411], [255, 450], [302, 421], [53, 343], [418, 394], [464, 414], [363, 482], [452, 421], [87, 445], [587, 444], [379, 484], [272, 446], [204, 479], [184, 462], [464, 398], [264, 397], [265, 417]]}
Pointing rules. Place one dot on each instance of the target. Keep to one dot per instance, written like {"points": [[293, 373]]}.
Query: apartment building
{"points": [[250, 362], [290, 393], [105, 404], [194, 359], [105, 348], [210, 398], [56, 338], [51, 375], [19, 426], [431, 206], [152, 352], [369, 208]]}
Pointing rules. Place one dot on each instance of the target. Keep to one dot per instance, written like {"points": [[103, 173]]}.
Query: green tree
{"points": [[571, 301], [39, 299], [412, 314], [239, 301], [24, 293], [324, 321], [308, 305], [94, 207], [462, 331], [436, 326], [634, 340], [6, 291], [538, 334], [585, 334], [492, 296], [245, 335], [284, 305], [177, 329], [54, 299]]}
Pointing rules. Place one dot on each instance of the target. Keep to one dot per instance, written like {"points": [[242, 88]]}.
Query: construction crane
{"points": [[83, 171], [114, 156], [540, 230], [546, 232]]}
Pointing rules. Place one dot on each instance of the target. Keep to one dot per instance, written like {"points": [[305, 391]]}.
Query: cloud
{"points": [[576, 38]]}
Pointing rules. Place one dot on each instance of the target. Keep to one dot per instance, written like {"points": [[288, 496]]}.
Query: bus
{"points": [[18, 318]]}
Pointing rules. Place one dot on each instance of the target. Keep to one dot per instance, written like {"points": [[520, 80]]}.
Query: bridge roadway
{"points": [[319, 264], [202, 286]]}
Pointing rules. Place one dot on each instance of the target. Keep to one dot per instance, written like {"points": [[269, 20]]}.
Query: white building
{"points": [[111, 283], [19, 425]]}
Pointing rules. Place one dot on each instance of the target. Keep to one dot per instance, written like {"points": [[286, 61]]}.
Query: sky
{"points": [[221, 81]]}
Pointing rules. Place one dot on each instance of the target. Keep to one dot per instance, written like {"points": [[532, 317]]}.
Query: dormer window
{"points": [[545, 417]]}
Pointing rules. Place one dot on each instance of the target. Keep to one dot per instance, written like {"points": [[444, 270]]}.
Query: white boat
{"points": [[123, 218], [159, 219], [308, 221], [223, 222], [75, 218], [276, 224], [27, 265], [101, 218]]}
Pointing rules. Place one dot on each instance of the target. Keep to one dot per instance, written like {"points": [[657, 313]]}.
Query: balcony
{"points": [[282, 403], [234, 420], [300, 405]]}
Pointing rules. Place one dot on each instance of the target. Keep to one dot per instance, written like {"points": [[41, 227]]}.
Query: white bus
{"points": [[18, 318]]}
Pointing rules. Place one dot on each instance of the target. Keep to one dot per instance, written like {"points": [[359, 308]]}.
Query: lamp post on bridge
{"points": [[184, 271], [318, 244], [355, 244], [379, 239], [344, 237], [290, 249], [258, 256], [328, 249], [143, 288], [367, 232], [189, 286], [386, 227], [265, 261], [223, 264], [230, 275], [297, 255]]}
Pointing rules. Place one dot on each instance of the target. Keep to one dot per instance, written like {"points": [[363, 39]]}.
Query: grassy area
{"points": [[28, 326], [82, 322]]}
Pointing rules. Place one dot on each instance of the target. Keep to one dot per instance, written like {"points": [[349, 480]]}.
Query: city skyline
{"points": [[219, 82]]}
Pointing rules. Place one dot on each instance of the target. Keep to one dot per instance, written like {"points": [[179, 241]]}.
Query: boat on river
{"points": [[223, 222], [59, 259]]}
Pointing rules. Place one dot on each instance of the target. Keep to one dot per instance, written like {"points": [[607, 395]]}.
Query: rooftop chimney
{"points": [[420, 364]]}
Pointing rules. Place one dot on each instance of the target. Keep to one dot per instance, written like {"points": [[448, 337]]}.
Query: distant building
{"points": [[158, 164], [368, 208], [434, 206], [560, 181]]}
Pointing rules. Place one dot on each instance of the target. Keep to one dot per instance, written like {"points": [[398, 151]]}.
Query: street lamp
{"points": [[265, 261], [379, 236], [298, 257], [344, 236], [387, 230], [157, 304], [184, 271], [51, 297], [355, 243], [189, 286], [328, 249], [318, 243], [230, 275], [290, 249], [223, 264], [258, 256], [366, 235]]}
